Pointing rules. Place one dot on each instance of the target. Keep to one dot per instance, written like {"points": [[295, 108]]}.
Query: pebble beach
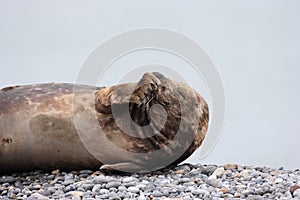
{"points": [[182, 182]]}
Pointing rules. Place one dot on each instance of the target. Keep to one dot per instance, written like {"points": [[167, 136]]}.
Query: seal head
{"points": [[155, 114]]}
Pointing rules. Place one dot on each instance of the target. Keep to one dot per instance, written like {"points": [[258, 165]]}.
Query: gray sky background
{"points": [[254, 44]]}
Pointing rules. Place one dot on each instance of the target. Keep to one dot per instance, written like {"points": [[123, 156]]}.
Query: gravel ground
{"points": [[182, 182]]}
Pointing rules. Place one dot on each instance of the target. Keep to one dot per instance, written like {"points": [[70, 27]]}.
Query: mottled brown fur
{"points": [[38, 129]]}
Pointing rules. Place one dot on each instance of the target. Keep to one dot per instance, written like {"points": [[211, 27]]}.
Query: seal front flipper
{"points": [[125, 167]]}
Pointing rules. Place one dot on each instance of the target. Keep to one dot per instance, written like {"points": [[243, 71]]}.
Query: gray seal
{"points": [[38, 129]]}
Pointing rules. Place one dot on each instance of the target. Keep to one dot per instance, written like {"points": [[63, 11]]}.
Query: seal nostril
{"points": [[6, 141]]}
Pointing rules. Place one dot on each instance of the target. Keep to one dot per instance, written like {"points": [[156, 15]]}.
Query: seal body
{"points": [[67, 126], [37, 128]]}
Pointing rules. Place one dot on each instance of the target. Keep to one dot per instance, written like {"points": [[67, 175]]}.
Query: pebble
{"points": [[230, 166], [218, 172], [55, 172], [7, 179], [215, 183], [113, 196], [245, 173], [85, 172], [96, 188], [38, 196], [184, 180], [224, 190], [68, 182], [157, 193], [128, 179], [133, 189], [230, 181], [212, 177], [100, 179], [200, 192], [208, 170], [113, 184], [165, 192]]}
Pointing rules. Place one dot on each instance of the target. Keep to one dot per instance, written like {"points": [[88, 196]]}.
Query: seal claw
{"points": [[121, 167]]}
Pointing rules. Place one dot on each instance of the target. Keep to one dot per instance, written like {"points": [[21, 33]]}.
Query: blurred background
{"points": [[254, 44]]}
